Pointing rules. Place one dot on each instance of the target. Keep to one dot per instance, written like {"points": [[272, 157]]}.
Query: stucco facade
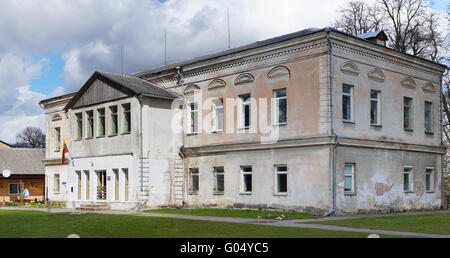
{"points": [[312, 160]]}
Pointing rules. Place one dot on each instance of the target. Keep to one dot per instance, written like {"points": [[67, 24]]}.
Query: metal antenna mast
{"points": [[121, 59], [165, 46], [229, 34]]}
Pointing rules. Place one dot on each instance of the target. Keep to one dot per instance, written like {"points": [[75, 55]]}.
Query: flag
{"points": [[64, 151]]}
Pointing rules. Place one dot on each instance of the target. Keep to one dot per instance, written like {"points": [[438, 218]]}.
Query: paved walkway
{"points": [[298, 223]]}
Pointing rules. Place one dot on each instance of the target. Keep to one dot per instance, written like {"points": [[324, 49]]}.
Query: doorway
{"points": [[101, 185]]}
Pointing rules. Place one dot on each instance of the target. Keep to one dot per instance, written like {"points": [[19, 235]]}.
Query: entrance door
{"points": [[101, 185]]}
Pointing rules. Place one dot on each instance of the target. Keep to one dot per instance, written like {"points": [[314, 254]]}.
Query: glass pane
{"points": [[406, 182], [220, 183], [127, 122], [282, 111], [248, 183], [219, 117], [348, 183], [348, 169], [102, 126], [346, 107], [247, 116], [114, 124], [374, 112], [428, 182], [247, 169], [282, 169], [347, 89], [280, 93], [406, 119], [195, 183], [282, 183], [374, 95]]}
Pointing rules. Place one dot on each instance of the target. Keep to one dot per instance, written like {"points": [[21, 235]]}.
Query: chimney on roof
{"points": [[377, 37]]}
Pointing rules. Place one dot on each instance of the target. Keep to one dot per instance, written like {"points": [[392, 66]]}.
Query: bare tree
{"points": [[357, 17], [31, 137]]}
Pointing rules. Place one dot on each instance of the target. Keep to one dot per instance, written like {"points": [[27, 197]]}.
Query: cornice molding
{"points": [[376, 74], [279, 72]]}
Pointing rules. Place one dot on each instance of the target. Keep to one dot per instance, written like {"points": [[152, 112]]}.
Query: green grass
{"points": [[251, 214], [431, 224], [34, 224]]}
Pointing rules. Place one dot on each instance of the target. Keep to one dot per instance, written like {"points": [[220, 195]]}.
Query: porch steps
{"points": [[94, 207], [179, 182]]}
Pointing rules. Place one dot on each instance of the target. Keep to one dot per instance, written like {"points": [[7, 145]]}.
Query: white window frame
{"points": [[58, 139], [194, 172], [56, 183], [218, 107], [242, 106], [430, 117], [276, 108], [378, 107], [277, 182], [193, 111], [352, 175], [9, 189], [243, 173], [351, 94], [410, 114], [430, 171], [216, 181], [410, 172], [79, 126]]}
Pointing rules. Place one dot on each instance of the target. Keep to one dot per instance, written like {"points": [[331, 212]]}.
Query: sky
{"points": [[49, 48]]}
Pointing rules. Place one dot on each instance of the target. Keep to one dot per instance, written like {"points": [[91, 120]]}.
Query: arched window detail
{"points": [[245, 78], [350, 68], [409, 82], [191, 89], [279, 72], [429, 88], [376, 75], [216, 84]]}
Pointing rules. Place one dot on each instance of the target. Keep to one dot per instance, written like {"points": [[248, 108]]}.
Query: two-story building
{"points": [[317, 120]]}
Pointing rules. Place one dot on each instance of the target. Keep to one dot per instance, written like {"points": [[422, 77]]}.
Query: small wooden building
{"points": [[27, 172]]}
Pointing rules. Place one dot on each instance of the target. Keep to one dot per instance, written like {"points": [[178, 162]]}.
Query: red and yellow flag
{"points": [[64, 151]]}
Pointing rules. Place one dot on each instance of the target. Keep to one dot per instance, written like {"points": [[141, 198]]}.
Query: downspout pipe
{"points": [[141, 143], [333, 132], [442, 140]]}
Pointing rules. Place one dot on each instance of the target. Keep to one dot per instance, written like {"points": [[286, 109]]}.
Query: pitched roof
{"points": [[135, 85], [22, 161], [6, 144], [374, 34]]}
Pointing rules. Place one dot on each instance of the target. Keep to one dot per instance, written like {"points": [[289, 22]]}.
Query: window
{"points": [[219, 180], [127, 118], [116, 185], [407, 108], [79, 117], [194, 118], [428, 116], [375, 110], [429, 180], [101, 122], [125, 175], [218, 115], [90, 119], [246, 179], [349, 178], [113, 120], [88, 184], [194, 180], [14, 188], [58, 138], [347, 103], [280, 107], [407, 180], [281, 178], [56, 183], [79, 184], [245, 112]]}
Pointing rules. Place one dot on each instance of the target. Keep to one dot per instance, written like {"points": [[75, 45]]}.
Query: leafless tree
{"points": [[31, 137], [357, 17]]}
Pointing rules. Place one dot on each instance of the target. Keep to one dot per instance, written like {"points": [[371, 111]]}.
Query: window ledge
{"points": [[248, 193], [429, 133], [348, 122], [57, 151], [113, 135], [430, 192], [281, 125], [376, 126], [193, 193], [78, 140], [219, 193], [409, 130], [350, 194], [218, 132], [192, 134], [280, 194], [90, 138], [100, 137], [408, 192], [126, 133]]}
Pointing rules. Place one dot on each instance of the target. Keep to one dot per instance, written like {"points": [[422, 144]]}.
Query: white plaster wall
{"points": [[50, 172]]}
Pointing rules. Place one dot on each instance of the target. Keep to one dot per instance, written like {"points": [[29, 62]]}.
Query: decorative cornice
{"points": [[191, 89], [350, 68], [376, 74], [216, 84], [409, 82]]}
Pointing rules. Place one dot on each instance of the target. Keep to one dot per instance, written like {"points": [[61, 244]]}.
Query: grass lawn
{"points": [[251, 214], [34, 224], [432, 224]]}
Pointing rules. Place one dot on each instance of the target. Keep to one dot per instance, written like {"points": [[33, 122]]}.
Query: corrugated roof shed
{"points": [[22, 161]]}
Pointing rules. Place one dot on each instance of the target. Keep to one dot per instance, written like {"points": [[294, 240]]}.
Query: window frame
{"points": [[101, 119], [410, 172], [277, 179], [126, 110], [430, 171], [58, 139], [244, 101], [276, 107], [18, 188], [352, 174], [243, 190], [378, 107], [217, 109], [90, 132], [351, 96], [79, 126], [114, 112], [193, 118], [410, 112], [194, 172], [56, 183], [216, 175], [430, 117]]}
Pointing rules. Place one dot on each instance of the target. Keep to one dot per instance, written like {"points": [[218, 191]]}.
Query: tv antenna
{"points": [[229, 33], [121, 59], [165, 46]]}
